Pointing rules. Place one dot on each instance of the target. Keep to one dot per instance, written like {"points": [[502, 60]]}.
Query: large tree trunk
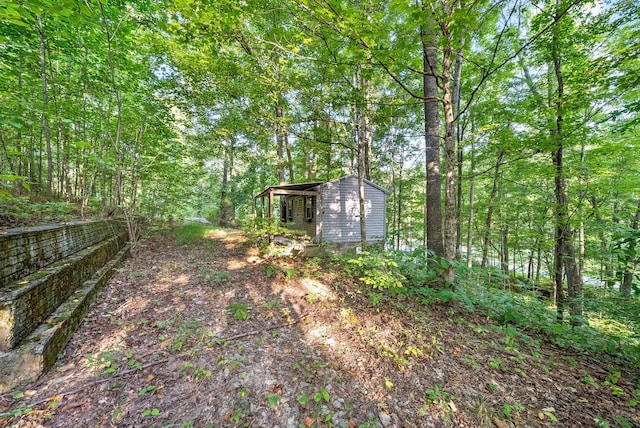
{"points": [[433, 203], [564, 252]]}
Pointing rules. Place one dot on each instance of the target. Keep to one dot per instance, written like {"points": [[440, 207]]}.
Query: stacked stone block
{"points": [[48, 277]]}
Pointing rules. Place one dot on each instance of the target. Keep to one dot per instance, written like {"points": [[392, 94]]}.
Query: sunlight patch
{"points": [[181, 280], [316, 287], [236, 265], [322, 334]]}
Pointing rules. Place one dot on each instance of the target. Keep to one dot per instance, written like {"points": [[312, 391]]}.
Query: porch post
{"points": [[270, 203]]}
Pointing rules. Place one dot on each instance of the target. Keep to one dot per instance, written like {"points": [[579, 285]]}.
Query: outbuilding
{"points": [[328, 211]]}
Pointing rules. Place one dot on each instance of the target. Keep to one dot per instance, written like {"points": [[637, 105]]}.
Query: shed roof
{"points": [[287, 189], [371, 183]]}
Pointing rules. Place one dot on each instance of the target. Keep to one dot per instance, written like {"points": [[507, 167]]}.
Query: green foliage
{"points": [[190, 233], [239, 310], [440, 397], [376, 269], [261, 231]]}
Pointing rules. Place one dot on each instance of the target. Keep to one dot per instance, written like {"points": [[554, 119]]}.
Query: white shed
{"points": [[329, 212]]}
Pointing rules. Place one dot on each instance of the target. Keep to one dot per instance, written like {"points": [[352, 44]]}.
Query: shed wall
{"points": [[341, 211]]}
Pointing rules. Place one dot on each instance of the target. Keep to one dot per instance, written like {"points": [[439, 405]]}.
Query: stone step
{"points": [[39, 351], [26, 303]]}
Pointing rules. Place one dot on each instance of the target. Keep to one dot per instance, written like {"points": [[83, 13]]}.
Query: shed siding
{"points": [[341, 211]]}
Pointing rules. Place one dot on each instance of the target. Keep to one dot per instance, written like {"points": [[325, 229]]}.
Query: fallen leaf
{"points": [[499, 423], [149, 378], [308, 422]]}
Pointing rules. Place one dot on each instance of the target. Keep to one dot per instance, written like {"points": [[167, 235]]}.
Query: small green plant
{"points": [[549, 413], [201, 374], [239, 310], [495, 363], [151, 412], [509, 409], [291, 273], [105, 360], [273, 400], [323, 394], [470, 361], [589, 380], [440, 397], [272, 305], [375, 298], [214, 277], [233, 362], [146, 389]]}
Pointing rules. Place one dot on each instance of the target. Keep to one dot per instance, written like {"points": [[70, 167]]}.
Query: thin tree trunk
{"points": [[471, 211], [494, 191], [450, 166], [630, 265], [400, 197], [361, 148], [116, 195], [45, 107], [457, 74], [280, 137]]}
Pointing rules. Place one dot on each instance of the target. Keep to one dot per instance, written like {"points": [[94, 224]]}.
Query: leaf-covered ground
{"points": [[210, 332]]}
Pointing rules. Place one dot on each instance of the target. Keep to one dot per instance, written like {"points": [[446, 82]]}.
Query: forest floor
{"points": [[211, 332]]}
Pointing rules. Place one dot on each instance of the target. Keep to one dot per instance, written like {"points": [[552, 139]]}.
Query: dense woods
{"points": [[506, 131]]}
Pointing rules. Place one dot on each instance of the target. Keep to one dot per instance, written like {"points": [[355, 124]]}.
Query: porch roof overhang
{"points": [[301, 189]]}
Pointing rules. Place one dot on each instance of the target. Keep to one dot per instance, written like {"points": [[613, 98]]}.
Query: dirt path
{"points": [[211, 333]]}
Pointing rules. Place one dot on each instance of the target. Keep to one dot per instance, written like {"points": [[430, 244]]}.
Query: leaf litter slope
{"points": [[210, 332]]}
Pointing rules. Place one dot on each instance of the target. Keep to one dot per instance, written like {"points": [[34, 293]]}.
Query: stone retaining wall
{"points": [[25, 250], [48, 277], [27, 302]]}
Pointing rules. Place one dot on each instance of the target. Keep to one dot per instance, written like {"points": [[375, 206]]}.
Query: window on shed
{"points": [[308, 208], [290, 209]]}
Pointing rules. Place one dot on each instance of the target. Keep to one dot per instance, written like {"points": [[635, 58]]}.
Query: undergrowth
{"points": [[191, 233], [611, 324]]}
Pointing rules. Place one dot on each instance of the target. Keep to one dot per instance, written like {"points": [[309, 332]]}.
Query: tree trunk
{"points": [[450, 165], [457, 74], [45, 108], [564, 251], [470, 219], [504, 253], [631, 260], [433, 203], [116, 195], [399, 202], [280, 137], [361, 149], [494, 191]]}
